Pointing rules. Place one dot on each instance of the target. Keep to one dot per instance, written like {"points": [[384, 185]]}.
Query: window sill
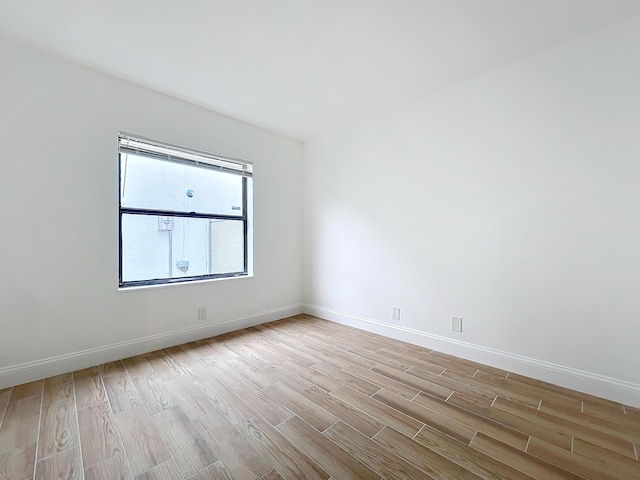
{"points": [[182, 284]]}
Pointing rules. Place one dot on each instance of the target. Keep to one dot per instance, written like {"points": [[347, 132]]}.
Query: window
{"points": [[184, 214]]}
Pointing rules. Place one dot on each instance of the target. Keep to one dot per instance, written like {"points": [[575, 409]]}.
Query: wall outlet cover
{"points": [[202, 313], [456, 324]]}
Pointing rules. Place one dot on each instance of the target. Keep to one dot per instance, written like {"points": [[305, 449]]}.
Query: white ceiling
{"points": [[301, 67]]}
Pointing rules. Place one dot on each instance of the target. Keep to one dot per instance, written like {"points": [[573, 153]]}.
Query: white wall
{"points": [[59, 195], [512, 200]]}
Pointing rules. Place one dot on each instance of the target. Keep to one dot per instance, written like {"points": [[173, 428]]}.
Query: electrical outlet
{"points": [[395, 313], [456, 324], [202, 313]]}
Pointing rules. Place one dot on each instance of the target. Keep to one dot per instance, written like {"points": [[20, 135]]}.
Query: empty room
{"points": [[333, 240]]}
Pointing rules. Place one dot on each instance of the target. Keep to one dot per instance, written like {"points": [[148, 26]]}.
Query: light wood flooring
{"points": [[303, 398]]}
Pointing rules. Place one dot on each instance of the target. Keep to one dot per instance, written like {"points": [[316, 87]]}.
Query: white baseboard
{"points": [[28, 372], [587, 382]]}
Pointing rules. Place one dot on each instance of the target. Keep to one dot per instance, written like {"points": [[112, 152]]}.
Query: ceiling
{"points": [[302, 67]]}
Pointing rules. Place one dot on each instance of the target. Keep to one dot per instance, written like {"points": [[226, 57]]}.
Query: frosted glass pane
{"points": [[174, 247], [163, 185]]}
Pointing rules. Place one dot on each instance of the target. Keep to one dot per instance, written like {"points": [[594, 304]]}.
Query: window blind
{"points": [[137, 145]]}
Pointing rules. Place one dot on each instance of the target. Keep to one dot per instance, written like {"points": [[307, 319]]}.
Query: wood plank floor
{"points": [[303, 398]]}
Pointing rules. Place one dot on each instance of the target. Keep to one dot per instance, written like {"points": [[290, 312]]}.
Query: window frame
{"points": [[244, 169]]}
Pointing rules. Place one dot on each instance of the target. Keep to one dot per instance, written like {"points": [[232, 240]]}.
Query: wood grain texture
{"points": [[141, 439], [365, 352], [584, 466], [559, 392], [225, 401], [423, 354], [384, 382], [165, 471], [217, 471], [311, 413], [18, 464], [464, 387], [507, 419], [174, 352], [20, 424], [377, 458], [154, 394], [306, 398], [98, 434], [58, 428], [345, 378], [272, 475], [533, 390], [625, 430], [495, 372], [251, 372], [412, 361], [121, 391], [444, 362], [213, 368], [27, 390], [344, 411], [449, 424], [606, 458], [185, 366], [616, 415], [88, 388], [162, 365], [188, 448], [137, 366], [417, 383], [632, 413], [401, 422], [263, 404], [519, 460], [192, 400], [112, 368], [461, 454], [314, 348], [57, 388], [287, 459], [333, 348], [235, 451], [288, 378], [562, 425], [314, 376], [495, 388], [116, 467], [327, 454], [193, 349], [494, 429], [66, 465], [429, 461]]}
